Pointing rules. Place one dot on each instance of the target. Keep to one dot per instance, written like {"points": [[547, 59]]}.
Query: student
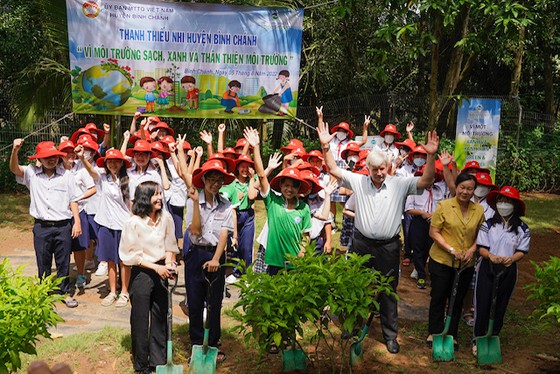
{"points": [[209, 222], [111, 181], [389, 134], [143, 170], [52, 193], [148, 245], [502, 242]]}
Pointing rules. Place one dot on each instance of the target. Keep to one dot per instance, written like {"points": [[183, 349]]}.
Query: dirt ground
{"points": [[537, 353]]}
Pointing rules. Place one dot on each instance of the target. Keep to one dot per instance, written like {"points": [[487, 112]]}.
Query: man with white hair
{"points": [[380, 201]]}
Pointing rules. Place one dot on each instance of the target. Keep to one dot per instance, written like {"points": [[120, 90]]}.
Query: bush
{"points": [[26, 311], [546, 290], [320, 288]]}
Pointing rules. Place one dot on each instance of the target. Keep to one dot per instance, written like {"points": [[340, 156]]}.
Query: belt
{"points": [[207, 248], [376, 241], [64, 222]]}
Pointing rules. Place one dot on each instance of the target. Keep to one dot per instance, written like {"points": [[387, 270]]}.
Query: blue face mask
{"points": [[419, 162]]}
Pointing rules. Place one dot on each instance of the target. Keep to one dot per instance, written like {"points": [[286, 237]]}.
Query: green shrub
{"points": [[546, 289], [26, 311]]}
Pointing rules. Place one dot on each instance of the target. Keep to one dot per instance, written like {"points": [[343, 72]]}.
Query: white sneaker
{"points": [[101, 269], [90, 265], [414, 274], [231, 279]]}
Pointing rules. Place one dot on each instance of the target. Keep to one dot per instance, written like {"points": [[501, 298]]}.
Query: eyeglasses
{"points": [[212, 181]]}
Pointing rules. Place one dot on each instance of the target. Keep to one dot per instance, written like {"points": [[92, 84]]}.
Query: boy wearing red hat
{"points": [[53, 205]]}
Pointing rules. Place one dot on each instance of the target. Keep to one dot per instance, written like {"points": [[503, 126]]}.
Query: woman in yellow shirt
{"points": [[454, 229]]}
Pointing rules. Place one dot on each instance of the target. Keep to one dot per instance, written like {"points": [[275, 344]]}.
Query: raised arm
{"points": [[183, 169], [15, 167], [447, 159], [206, 137], [324, 213], [409, 128], [132, 128], [367, 121], [431, 148], [163, 173], [253, 139], [252, 191], [325, 137], [126, 137], [221, 136], [274, 161], [79, 150], [107, 136]]}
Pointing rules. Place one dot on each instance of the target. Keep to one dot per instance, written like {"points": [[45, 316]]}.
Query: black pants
{"points": [[406, 221], [197, 289], [148, 318], [483, 296], [386, 256], [53, 241], [442, 277], [420, 242]]}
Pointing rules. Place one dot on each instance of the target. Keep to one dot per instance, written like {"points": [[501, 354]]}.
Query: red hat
{"points": [[163, 125], [85, 137], [46, 150], [310, 177], [154, 119], [162, 148], [241, 143], [137, 136], [474, 165], [77, 133], [292, 173], [485, 179], [363, 154], [417, 150], [91, 127], [229, 162], [210, 165], [244, 158], [350, 147], [90, 144], [187, 145], [112, 154], [229, 151], [361, 164], [343, 126], [66, 145], [298, 152], [168, 139], [313, 153], [304, 165], [507, 191], [293, 144], [407, 143], [391, 129], [141, 146]]}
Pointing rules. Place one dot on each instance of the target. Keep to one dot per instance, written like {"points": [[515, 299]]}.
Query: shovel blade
{"points": [[442, 348], [356, 352], [488, 350], [293, 359], [203, 363], [169, 369]]}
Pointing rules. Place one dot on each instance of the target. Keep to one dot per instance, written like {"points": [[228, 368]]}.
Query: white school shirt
{"points": [[429, 199], [351, 203], [501, 242], [142, 241], [112, 211], [379, 211], [178, 191], [213, 219], [407, 169], [50, 196], [488, 211], [337, 146], [388, 149], [84, 182], [135, 178], [317, 225]]}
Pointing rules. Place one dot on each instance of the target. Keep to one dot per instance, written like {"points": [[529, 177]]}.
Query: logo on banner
{"points": [[90, 9]]}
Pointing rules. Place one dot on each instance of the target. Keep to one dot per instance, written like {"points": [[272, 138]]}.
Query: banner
{"points": [[184, 59], [478, 128]]}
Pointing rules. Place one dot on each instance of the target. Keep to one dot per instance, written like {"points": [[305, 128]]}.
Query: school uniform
{"points": [[336, 148], [136, 177], [407, 169], [390, 150], [499, 241], [213, 219], [316, 232], [177, 198], [84, 182]]}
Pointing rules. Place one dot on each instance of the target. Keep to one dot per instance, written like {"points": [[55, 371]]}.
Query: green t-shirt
{"points": [[226, 193], [233, 189], [285, 228]]}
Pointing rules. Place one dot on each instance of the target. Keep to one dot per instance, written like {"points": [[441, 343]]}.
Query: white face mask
{"points": [[481, 191], [419, 161], [341, 135], [389, 139], [88, 154], [504, 209], [353, 158]]}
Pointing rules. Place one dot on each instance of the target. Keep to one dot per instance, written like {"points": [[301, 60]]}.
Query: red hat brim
{"points": [[396, 133], [493, 195], [303, 187], [101, 161], [46, 154], [130, 152], [170, 131], [350, 132], [200, 172]]}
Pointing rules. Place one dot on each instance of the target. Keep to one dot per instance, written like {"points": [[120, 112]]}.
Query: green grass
{"points": [[543, 214], [14, 210]]}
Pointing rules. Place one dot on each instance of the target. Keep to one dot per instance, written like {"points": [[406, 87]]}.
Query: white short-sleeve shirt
{"points": [[502, 242]]}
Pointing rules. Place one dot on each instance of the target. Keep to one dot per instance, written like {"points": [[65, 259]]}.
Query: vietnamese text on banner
{"points": [[184, 59]]}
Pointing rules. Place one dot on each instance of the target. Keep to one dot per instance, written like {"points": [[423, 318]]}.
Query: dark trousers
{"points": [[420, 242], [197, 291], [442, 277], [407, 219], [53, 241], [483, 296], [386, 256], [148, 318], [245, 237]]}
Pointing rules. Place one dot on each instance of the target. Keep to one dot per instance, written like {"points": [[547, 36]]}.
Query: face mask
{"points": [[504, 209], [312, 195], [403, 152], [341, 135], [389, 139], [353, 158], [419, 162], [88, 154], [481, 191]]}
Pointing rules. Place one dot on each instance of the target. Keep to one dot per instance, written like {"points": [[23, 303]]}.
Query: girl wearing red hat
{"points": [[112, 183], [389, 134], [502, 241]]}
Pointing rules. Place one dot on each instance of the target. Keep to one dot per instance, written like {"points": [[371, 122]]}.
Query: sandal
{"points": [[70, 303], [221, 357], [122, 300], [109, 299], [406, 262], [81, 281]]}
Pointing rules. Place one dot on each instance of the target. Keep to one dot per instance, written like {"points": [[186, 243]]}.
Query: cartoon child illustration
{"points": [[284, 90], [165, 88], [187, 83], [149, 84], [230, 99]]}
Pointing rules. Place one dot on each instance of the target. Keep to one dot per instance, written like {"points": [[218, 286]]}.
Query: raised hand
{"points": [[331, 187], [199, 151], [172, 147], [446, 158], [64, 139], [409, 126], [324, 135], [106, 127], [222, 127], [251, 172], [432, 144], [180, 141], [137, 115], [193, 194], [367, 121], [206, 136], [252, 136], [126, 134], [18, 143], [79, 151], [275, 160]]}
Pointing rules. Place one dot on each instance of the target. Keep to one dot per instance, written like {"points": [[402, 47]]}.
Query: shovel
{"points": [[203, 357], [488, 347], [293, 358], [442, 346], [169, 368]]}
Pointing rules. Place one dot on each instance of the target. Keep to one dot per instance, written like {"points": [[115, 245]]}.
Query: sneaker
{"points": [[414, 274], [101, 269], [421, 284], [109, 299], [231, 279], [90, 265], [81, 281], [430, 341]]}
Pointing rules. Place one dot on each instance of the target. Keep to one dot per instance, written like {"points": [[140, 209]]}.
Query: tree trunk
{"points": [[277, 131], [518, 63], [433, 96]]}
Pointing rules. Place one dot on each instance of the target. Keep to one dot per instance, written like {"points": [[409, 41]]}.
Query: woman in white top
{"points": [[148, 246]]}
